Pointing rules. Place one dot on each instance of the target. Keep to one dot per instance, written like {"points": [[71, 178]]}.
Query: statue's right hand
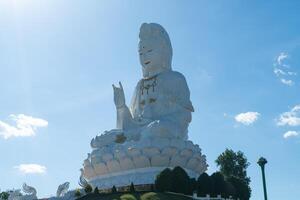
{"points": [[119, 96]]}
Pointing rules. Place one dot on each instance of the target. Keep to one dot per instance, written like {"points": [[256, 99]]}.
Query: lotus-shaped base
{"points": [[140, 161]]}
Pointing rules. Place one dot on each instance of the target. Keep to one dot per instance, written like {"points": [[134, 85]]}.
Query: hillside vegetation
{"points": [[134, 196]]}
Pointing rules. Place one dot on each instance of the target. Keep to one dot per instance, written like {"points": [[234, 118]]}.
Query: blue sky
{"points": [[58, 60]]}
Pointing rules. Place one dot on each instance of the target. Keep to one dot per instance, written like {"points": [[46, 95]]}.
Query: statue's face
{"points": [[152, 57]]}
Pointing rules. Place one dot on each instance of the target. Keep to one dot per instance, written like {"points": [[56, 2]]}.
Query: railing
{"points": [[208, 197]]}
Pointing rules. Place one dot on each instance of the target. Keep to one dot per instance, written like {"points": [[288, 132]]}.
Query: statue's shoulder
{"points": [[172, 76]]}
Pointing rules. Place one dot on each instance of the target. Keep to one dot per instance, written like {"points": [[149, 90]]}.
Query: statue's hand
{"points": [[119, 97]]}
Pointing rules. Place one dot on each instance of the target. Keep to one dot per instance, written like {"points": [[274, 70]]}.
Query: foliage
{"points": [[180, 183], [233, 165], [192, 185], [219, 187], [137, 196], [127, 197], [205, 185], [163, 181], [77, 193], [150, 196], [243, 190], [132, 189], [96, 190], [176, 180], [4, 195], [88, 188], [114, 190]]}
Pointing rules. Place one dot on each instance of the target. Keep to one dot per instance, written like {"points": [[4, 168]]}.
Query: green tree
{"points": [[230, 189], [4, 195], [132, 189], [243, 191], [114, 190], [77, 193], [180, 181], [219, 187], [233, 165], [88, 189], [96, 190], [204, 185], [192, 185], [163, 181]]}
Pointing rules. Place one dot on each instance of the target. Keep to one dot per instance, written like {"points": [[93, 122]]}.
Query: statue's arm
{"points": [[124, 117]]}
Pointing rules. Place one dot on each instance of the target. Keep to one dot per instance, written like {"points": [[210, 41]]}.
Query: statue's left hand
{"points": [[119, 97]]}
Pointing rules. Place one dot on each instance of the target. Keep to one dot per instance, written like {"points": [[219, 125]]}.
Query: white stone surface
{"points": [[152, 134], [62, 189], [29, 190]]}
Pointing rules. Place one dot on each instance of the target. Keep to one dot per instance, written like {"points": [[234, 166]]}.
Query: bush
{"points": [[219, 184], [77, 193], [96, 191], [127, 197], [192, 185], [180, 182], [204, 185], [132, 189], [114, 190], [150, 196], [4, 195], [243, 191], [88, 188], [163, 181]]}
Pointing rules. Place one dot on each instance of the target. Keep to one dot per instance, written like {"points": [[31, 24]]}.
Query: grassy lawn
{"points": [[134, 196]]}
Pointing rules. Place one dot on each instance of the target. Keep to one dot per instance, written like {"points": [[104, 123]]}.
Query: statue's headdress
{"points": [[157, 32]]}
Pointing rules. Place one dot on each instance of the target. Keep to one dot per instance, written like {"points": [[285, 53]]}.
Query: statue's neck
{"points": [[150, 74]]}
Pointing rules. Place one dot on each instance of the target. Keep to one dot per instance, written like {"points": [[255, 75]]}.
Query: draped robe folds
{"points": [[160, 107]]}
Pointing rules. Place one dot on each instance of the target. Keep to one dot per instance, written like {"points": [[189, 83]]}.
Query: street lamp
{"points": [[261, 162]]}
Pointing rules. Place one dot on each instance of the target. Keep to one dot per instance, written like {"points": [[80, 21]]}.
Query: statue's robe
{"points": [[163, 103]]}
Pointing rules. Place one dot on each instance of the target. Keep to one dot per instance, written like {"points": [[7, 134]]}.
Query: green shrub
{"points": [[127, 197], [77, 193], [4, 195], [88, 188], [114, 190], [150, 196], [205, 185], [181, 180], [163, 181], [96, 191], [132, 189]]}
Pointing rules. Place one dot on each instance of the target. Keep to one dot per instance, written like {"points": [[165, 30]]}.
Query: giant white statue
{"points": [[152, 133], [62, 189]]}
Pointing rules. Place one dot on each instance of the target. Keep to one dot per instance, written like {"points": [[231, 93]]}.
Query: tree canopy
{"points": [[233, 165]]}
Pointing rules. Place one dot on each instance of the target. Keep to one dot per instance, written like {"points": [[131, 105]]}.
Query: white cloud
{"points": [[291, 118], [290, 134], [279, 72], [25, 126], [247, 118], [282, 56], [31, 169], [292, 73], [287, 82]]}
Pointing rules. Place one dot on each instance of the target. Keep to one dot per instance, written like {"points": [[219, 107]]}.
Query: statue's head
{"points": [[155, 50]]}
